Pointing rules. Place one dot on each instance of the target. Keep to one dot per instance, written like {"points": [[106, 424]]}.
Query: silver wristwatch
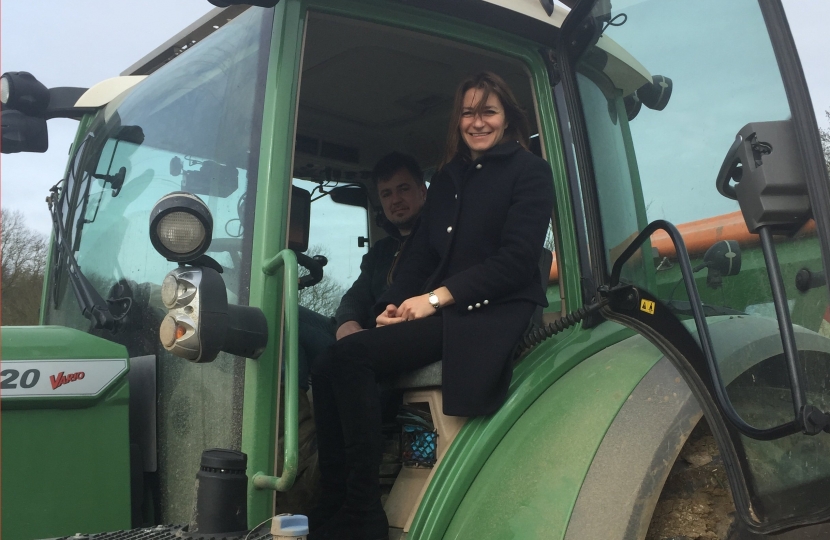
{"points": [[433, 300]]}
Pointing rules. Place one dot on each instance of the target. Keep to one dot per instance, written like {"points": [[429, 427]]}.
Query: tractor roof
{"points": [[527, 18]]}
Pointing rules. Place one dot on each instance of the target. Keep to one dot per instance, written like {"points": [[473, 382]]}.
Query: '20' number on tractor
{"points": [[28, 380]]}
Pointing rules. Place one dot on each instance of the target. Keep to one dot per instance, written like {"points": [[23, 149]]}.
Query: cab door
{"points": [[706, 199]]}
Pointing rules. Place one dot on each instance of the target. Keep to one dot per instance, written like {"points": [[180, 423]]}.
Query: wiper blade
{"points": [[92, 305]]}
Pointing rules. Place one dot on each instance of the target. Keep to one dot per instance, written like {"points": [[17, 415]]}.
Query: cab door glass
{"points": [[665, 91], [339, 233]]}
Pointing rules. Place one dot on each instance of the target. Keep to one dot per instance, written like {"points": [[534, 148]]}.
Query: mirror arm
{"points": [[785, 325]]}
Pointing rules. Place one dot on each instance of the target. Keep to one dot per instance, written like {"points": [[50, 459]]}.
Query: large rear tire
{"points": [[696, 502]]}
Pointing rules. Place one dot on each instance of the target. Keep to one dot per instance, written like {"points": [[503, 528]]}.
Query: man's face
{"points": [[402, 199]]}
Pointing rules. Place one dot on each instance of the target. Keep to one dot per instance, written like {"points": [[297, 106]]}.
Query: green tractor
{"points": [[688, 327]]}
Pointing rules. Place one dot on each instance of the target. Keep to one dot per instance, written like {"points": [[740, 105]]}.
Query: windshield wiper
{"points": [[92, 305]]}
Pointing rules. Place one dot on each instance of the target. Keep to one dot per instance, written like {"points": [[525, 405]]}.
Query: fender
{"points": [[529, 484], [589, 458], [624, 483], [546, 373]]}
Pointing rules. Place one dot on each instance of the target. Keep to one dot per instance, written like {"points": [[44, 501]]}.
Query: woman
{"points": [[465, 292]]}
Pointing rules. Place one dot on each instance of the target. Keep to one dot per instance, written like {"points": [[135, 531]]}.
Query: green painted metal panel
{"points": [[66, 460], [259, 420], [48, 342], [529, 485], [66, 470], [480, 436]]}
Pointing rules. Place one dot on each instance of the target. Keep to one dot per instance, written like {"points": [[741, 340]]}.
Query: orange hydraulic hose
{"points": [[700, 235]]}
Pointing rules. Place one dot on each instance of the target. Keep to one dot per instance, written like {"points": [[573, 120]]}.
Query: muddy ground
{"points": [[696, 503]]}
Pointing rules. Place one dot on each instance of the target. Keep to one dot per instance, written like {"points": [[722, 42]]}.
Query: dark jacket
{"points": [[375, 275], [482, 233]]}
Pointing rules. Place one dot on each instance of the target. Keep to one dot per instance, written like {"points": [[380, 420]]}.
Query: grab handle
{"points": [[287, 259]]}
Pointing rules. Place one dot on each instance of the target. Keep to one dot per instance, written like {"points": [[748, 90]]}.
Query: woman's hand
{"points": [[419, 307]]}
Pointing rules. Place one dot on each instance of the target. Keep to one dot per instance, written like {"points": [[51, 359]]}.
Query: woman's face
{"points": [[485, 130]]}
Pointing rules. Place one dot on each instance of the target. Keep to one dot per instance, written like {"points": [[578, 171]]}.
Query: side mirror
{"points": [[656, 94], [300, 219], [21, 133], [350, 195], [723, 259]]}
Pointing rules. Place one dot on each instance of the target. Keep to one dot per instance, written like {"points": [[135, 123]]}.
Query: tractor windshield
{"points": [[664, 92], [194, 125]]}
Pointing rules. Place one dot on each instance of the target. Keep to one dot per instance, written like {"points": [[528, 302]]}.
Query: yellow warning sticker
{"points": [[647, 306]]}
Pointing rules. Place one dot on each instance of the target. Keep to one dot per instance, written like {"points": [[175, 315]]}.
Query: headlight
{"points": [[19, 90], [4, 90], [181, 227]]}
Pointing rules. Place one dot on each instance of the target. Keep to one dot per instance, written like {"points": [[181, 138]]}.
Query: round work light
{"points": [[181, 227], [19, 90], [4, 90]]}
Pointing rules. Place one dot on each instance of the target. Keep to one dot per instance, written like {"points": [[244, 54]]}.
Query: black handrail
{"points": [[705, 339]]}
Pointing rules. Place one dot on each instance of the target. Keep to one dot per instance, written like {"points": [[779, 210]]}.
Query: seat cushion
{"points": [[429, 375]]}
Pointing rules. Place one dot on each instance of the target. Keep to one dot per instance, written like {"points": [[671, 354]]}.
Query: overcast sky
{"points": [[82, 42]]}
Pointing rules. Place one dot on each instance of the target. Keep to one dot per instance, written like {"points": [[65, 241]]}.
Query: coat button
{"points": [[449, 229], [478, 305], [478, 166], [469, 308], [486, 302], [456, 196]]}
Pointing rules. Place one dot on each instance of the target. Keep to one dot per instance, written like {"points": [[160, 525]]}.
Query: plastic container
{"points": [[289, 527]]}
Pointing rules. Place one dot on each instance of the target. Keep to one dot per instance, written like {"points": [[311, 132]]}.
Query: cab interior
{"points": [[367, 90]]}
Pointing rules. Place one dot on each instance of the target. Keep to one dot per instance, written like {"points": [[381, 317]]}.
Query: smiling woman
{"points": [[482, 108], [479, 247]]}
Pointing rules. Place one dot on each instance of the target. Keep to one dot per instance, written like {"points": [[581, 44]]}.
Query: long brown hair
{"points": [[488, 82]]}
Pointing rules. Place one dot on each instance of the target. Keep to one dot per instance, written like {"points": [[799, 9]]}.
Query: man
{"points": [[402, 192]]}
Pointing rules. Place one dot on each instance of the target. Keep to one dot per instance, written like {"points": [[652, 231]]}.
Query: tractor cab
{"points": [[225, 180]]}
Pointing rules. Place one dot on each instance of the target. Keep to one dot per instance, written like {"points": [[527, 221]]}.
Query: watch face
{"points": [[433, 300]]}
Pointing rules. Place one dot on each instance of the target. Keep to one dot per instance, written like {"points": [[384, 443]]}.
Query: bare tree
{"points": [[825, 141], [23, 259], [325, 296]]}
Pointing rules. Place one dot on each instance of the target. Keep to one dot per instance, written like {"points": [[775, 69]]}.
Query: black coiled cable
{"points": [[538, 335]]}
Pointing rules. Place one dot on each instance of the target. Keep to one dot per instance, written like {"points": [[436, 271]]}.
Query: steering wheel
{"points": [[314, 265]]}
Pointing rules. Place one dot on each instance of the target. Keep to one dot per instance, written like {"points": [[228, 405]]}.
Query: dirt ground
{"points": [[696, 503]]}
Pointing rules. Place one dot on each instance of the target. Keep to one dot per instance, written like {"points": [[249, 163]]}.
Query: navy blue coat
{"points": [[482, 233]]}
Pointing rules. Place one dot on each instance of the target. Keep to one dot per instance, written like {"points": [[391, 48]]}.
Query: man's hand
{"points": [[347, 328], [389, 316]]}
